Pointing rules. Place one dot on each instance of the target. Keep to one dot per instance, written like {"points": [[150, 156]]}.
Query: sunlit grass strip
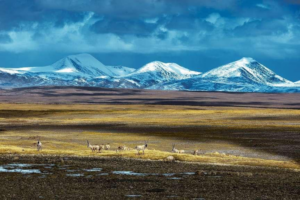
{"points": [[218, 119], [214, 158]]}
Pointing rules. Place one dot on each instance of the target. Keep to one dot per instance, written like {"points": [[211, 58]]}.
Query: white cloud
{"points": [[151, 20], [20, 41], [213, 18], [226, 23], [263, 6]]}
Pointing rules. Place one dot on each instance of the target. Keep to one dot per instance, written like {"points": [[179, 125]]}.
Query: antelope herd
{"points": [[138, 148]]}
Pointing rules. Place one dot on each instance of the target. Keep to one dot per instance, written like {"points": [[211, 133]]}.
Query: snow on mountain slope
{"points": [[245, 75], [202, 84], [72, 70], [176, 69], [81, 65], [246, 70], [13, 80], [157, 72], [15, 70], [120, 70]]}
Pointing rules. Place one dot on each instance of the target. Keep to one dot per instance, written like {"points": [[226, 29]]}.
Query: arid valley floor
{"points": [[249, 144]]}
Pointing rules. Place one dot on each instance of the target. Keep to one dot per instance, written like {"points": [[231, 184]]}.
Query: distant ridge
{"points": [[158, 72], [244, 75]]}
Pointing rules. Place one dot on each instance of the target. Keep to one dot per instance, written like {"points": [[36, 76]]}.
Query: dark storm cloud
{"points": [[187, 23], [121, 27], [127, 17], [12, 13], [22, 13], [293, 1], [136, 8], [268, 28]]}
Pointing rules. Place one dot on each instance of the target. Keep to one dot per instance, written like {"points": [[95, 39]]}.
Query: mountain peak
{"points": [[152, 66], [157, 72], [246, 60], [80, 56], [80, 59], [246, 70], [167, 67], [82, 65]]}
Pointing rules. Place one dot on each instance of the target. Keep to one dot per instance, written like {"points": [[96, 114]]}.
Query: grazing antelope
{"points": [[102, 146], [176, 150], [122, 148], [107, 146], [195, 152], [141, 148], [93, 147], [39, 145]]}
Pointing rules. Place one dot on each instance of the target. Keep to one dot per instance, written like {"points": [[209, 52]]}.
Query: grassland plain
{"points": [[223, 135]]}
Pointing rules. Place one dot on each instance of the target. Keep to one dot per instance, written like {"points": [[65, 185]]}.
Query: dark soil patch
{"points": [[219, 182]]}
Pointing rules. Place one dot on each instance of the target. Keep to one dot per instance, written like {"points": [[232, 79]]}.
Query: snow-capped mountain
{"points": [[158, 72], [72, 70], [82, 65], [246, 70], [244, 75]]}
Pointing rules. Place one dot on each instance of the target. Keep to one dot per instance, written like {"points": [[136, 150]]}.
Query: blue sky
{"points": [[197, 34]]}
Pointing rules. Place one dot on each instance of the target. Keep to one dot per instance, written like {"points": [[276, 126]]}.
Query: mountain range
{"points": [[244, 75]]}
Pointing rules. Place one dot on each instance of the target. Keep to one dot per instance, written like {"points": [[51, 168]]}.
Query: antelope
{"points": [[195, 152], [107, 146], [39, 145], [122, 148], [93, 147], [141, 148], [176, 150], [102, 146]]}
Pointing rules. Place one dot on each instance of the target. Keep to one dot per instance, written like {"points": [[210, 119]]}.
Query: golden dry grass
{"points": [[214, 158], [189, 127]]}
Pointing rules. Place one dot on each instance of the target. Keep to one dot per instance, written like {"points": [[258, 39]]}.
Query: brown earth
{"points": [[91, 95]]}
